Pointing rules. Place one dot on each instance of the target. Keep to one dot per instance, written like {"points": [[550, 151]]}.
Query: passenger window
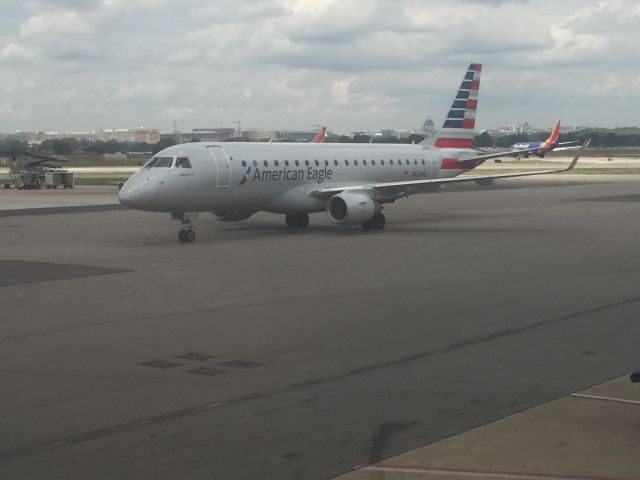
{"points": [[407, 161], [244, 164], [275, 162], [364, 162], [373, 162], [415, 161], [391, 161], [266, 164], [382, 161], [335, 162], [326, 163], [423, 161], [355, 162], [183, 162], [255, 164], [297, 163], [286, 163], [346, 162], [317, 163], [306, 163]]}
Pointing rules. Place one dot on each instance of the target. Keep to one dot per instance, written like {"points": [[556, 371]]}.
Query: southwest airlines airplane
{"points": [[352, 182], [540, 148]]}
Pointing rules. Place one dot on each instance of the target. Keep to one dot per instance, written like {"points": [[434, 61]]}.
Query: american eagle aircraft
{"points": [[352, 182]]}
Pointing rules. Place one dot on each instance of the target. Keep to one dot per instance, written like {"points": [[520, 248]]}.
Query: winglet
{"points": [[575, 159]]}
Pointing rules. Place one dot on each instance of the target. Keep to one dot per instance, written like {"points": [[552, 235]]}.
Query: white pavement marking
{"points": [[605, 399], [455, 472]]}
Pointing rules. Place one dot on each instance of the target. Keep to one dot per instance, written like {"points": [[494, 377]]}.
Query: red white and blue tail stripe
{"points": [[457, 130]]}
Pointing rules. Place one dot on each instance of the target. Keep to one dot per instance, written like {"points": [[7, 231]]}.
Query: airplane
{"points": [[320, 136], [351, 182], [543, 147]]}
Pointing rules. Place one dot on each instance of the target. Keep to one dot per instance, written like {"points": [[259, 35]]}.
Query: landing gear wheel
{"points": [[378, 221], [186, 235], [300, 220]]}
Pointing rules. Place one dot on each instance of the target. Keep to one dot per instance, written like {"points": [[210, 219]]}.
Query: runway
{"points": [[258, 352]]}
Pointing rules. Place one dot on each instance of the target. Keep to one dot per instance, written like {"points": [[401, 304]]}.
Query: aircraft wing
{"points": [[401, 189], [561, 149]]}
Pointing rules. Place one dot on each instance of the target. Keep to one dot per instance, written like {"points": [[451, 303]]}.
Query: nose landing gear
{"points": [[186, 234]]}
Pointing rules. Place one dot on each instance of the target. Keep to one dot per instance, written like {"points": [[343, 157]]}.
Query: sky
{"points": [[351, 65]]}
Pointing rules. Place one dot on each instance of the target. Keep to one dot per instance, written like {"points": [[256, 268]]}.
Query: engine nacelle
{"points": [[231, 215], [349, 208]]}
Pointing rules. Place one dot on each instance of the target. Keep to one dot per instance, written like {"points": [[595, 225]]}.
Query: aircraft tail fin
{"points": [[320, 136], [555, 133], [457, 129]]}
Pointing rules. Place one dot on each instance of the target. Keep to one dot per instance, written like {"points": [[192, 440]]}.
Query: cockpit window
{"points": [[162, 162], [183, 162]]}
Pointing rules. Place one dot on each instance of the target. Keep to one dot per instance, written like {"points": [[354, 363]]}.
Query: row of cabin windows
{"points": [[317, 163]]}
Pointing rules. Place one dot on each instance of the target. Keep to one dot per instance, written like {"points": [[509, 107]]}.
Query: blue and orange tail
{"points": [[555, 133], [457, 130]]}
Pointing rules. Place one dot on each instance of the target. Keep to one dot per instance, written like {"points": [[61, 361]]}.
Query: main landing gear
{"points": [[187, 235], [299, 220], [377, 222]]}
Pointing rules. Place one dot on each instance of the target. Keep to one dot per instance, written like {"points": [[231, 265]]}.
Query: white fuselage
{"points": [[276, 177]]}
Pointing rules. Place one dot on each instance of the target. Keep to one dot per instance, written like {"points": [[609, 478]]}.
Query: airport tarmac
{"points": [[258, 352]]}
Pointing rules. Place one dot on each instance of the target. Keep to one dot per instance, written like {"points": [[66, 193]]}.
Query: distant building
{"points": [[146, 135], [428, 128], [253, 134], [208, 135], [295, 135]]}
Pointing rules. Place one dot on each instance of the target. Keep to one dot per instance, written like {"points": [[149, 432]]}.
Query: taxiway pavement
{"points": [[258, 352]]}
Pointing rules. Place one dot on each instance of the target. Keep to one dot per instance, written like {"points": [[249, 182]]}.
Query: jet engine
{"points": [[349, 208], [231, 215]]}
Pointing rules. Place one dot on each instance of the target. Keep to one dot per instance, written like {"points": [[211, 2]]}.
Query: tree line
{"points": [[68, 146]]}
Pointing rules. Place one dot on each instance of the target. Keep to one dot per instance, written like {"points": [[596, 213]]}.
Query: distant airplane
{"points": [[541, 148], [320, 136], [352, 182]]}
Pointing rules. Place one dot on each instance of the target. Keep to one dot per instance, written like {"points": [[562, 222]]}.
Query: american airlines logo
{"points": [[244, 177], [318, 175]]}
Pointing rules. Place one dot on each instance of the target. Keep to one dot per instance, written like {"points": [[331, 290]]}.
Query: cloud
{"points": [[13, 52], [352, 64], [59, 23]]}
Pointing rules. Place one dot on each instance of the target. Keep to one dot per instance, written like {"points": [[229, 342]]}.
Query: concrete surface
{"points": [[80, 195], [258, 352], [585, 436]]}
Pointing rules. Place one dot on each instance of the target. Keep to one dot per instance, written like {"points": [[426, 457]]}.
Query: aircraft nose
{"points": [[125, 195], [131, 194]]}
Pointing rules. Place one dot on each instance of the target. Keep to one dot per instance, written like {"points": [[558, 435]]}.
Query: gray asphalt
{"points": [[258, 352]]}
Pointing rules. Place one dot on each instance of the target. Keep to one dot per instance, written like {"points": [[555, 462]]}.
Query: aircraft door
{"points": [[223, 166]]}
